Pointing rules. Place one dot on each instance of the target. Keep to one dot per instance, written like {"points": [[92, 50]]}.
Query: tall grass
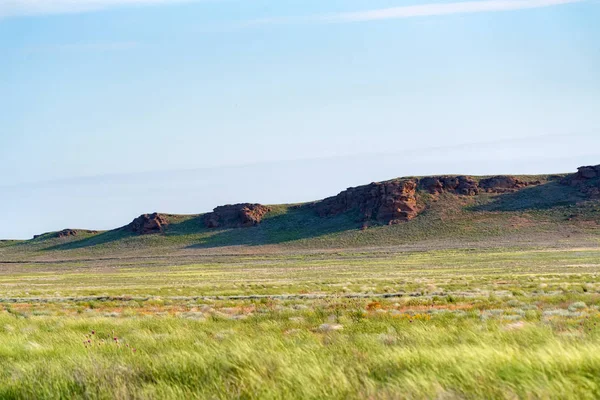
{"points": [[474, 324], [272, 356]]}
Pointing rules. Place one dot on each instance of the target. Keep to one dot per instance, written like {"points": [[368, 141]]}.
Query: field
{"points": [[479, 297], [480, 322]]}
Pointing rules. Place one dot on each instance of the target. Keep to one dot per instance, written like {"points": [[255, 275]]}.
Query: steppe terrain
{"points": [[436, 287]]}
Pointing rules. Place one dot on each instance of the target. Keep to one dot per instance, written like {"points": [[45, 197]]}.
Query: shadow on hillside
{"points": [[99, 239], [302, 222], [542, 197], [296, 224], [189, 226], [293, 224]]}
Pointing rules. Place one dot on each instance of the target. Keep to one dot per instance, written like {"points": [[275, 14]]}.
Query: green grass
{"points": [[271, 356], [463, 323]]}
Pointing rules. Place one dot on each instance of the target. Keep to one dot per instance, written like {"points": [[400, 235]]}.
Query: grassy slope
{"points": [[547, 213]]}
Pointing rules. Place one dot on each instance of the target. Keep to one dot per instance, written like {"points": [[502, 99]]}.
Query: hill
{"points": [[439, 211]]}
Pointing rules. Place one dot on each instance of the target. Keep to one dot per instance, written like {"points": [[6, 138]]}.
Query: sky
{"points": [[113, 108]]}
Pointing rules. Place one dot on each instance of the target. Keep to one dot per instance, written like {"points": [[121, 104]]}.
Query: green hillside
{"points": [[548, 212]]}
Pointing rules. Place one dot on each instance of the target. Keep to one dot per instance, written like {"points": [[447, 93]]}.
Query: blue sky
{"points": [[111, 108]]}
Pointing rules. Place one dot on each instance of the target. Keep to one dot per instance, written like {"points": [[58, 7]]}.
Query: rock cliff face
{"points": [[66, 233], [396, 201], [504, 183], [72, 232], [467, 186], [148, 224], [387, 202], [236, 216], [586, 180], [462, 185]]}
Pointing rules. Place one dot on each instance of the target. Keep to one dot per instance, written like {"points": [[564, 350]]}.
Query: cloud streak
{"points": [[13, 8], [444, 9], [421, 10]]}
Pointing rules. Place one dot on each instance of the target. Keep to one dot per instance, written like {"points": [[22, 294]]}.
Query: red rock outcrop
{"points": [[66, 233], [395, 201], [72, 232], [236, 216], [467, 186], [463, 185], [504, 183], [586, 180], [389, 202], [148, 224]]}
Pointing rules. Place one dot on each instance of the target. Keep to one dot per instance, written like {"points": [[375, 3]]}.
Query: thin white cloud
{"points": [[421, 10], [11, 8], [424, 10]]}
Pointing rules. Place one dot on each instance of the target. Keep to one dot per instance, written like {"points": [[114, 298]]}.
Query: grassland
{"points": [[460, 323], [484, 297]]}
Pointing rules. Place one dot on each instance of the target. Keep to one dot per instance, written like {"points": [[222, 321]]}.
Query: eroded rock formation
{"points": [[389, 202], [463, 185], [148, 224], [586, 180], [396, 201], [66, 233], [503, 183], [236, 215], [73, 232], [467, 186]]}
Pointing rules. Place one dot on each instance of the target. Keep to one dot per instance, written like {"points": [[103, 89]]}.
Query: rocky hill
{"points": [[397, 201], [454, 208]]}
